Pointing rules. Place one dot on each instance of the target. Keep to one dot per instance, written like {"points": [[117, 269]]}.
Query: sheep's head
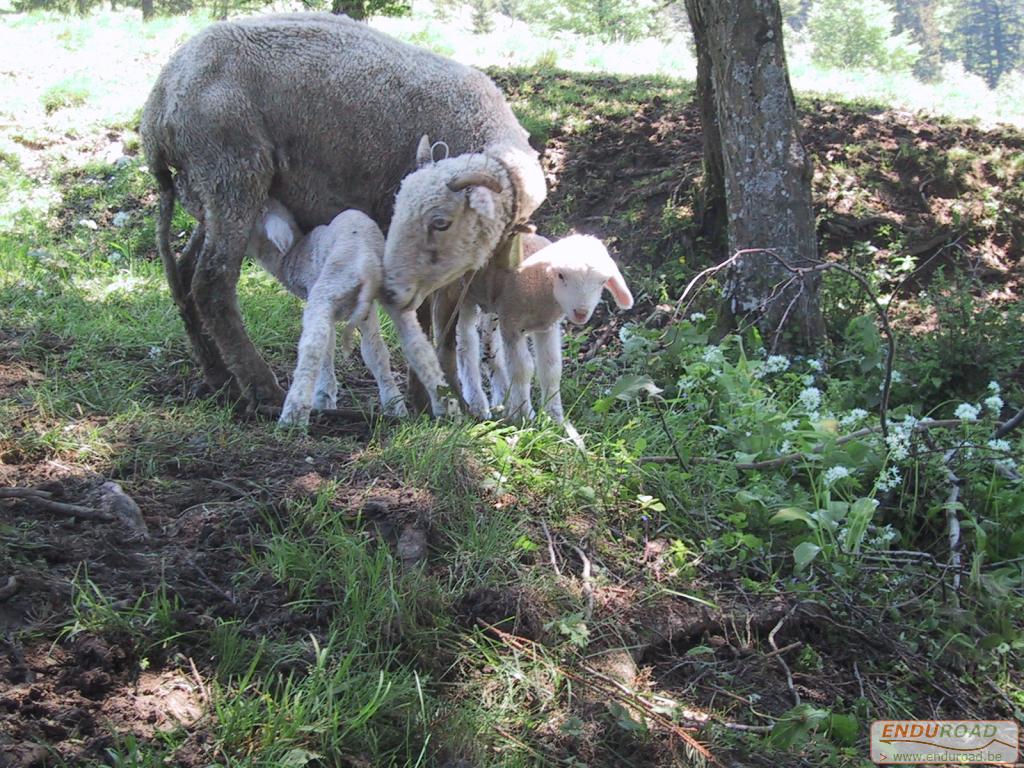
{"points": [[580, 268], [449, 216]]}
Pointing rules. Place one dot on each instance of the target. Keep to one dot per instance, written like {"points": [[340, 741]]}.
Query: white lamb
{"points": [[337, 269], [554, 280]]}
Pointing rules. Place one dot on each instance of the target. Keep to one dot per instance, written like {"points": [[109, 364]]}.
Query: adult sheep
{"points": [[326, 114]]}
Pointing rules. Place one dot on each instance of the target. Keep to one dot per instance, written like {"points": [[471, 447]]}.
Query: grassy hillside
{"points": [[738, 557]]}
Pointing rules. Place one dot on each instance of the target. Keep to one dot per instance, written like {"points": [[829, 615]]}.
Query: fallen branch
{"points": [[551, 548], [43, 500]]}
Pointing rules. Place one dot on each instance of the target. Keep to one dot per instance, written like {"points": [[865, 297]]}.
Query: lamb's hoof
{"points": [[324, 401], [396, 409], [294, 415]]}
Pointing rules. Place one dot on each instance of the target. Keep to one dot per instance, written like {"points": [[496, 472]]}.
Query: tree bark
{"points": [[767, 174], [354, 9], [147, 10], [710, 208]]}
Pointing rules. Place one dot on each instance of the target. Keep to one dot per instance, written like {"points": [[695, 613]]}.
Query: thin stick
{"points": [[778, 653], [588, 589], [551, 549]]}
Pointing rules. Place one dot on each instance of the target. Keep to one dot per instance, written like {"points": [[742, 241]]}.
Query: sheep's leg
{"points": [[232, 198], [494, 355], [317, 332], [422, 358], [520, 363], [445, 306], [468, 344], [375, 355], [547, 345], [215, 373], [326, 393], [418, 397]]}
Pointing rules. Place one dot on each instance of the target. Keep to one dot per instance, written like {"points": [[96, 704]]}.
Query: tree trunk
{"points": [[354, 9], [711, 208], [147, 10], [767, 175]]}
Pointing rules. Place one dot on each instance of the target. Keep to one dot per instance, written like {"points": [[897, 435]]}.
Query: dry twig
{"points": [[43, 500]]}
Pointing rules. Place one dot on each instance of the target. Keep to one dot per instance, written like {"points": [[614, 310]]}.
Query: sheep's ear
{"points": [[278, 232], [423, 153], [616, 286], [481, 200]]}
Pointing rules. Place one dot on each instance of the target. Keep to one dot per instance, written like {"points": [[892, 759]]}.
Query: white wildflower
{"points": [[1007, 465], [713, 355], [776, 364], [884, 536], [88, 224], [815, 365], [686, 383], [966, 412], [835, 474], [121, 218], [807, 380], [993, 387], [889, 479], [810, 399], [155, 352], [1003, 446], [786, 447], [897, 377], [899, 436], [853, 417], [789, 425], [697, 317], [994, 403], [625, 334]]}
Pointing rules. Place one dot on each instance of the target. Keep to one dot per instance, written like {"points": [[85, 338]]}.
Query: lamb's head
{"points": [[449, 216], [580, 268]]}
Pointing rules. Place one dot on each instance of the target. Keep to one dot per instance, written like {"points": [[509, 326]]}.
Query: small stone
{"points": [[412, 546], [121, 218]]}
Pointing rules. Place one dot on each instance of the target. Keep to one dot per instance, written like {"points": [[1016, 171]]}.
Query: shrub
{"points": [[858, 34]]}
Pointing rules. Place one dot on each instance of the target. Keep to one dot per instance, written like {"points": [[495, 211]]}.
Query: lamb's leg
{"points": [[422, 359], [215, 373], [375, 355], [468, 343], [317, 331], [520, 363], [494, 355], [325, 395], [547, 345]]}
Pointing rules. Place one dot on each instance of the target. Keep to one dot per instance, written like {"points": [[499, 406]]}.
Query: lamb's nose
{"points": [[579, 315]]}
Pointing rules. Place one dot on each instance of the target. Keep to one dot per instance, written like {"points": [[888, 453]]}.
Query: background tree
{"points": [[919, 18], [767, 172], [858, 33], [988, 36]]}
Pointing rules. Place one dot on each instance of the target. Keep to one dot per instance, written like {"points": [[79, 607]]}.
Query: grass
{"points": [[276, 566]]}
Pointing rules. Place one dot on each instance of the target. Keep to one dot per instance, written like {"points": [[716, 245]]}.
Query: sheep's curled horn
{"points": [[474, 179]]}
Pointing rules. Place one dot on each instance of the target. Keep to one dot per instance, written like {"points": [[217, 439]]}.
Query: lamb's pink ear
{"points": [[616, 286], [278, 232], [423, 152]]}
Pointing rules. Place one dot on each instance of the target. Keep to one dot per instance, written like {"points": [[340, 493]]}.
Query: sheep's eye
{"points": [[440, 223], [561, 277]]}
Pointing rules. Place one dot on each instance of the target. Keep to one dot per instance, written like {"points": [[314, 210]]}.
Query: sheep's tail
{"points": [[163, 231]]}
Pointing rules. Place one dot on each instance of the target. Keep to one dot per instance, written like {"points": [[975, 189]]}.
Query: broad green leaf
{"points": [[804, 553], [843, 729], [791, 514], [632, 387]]}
